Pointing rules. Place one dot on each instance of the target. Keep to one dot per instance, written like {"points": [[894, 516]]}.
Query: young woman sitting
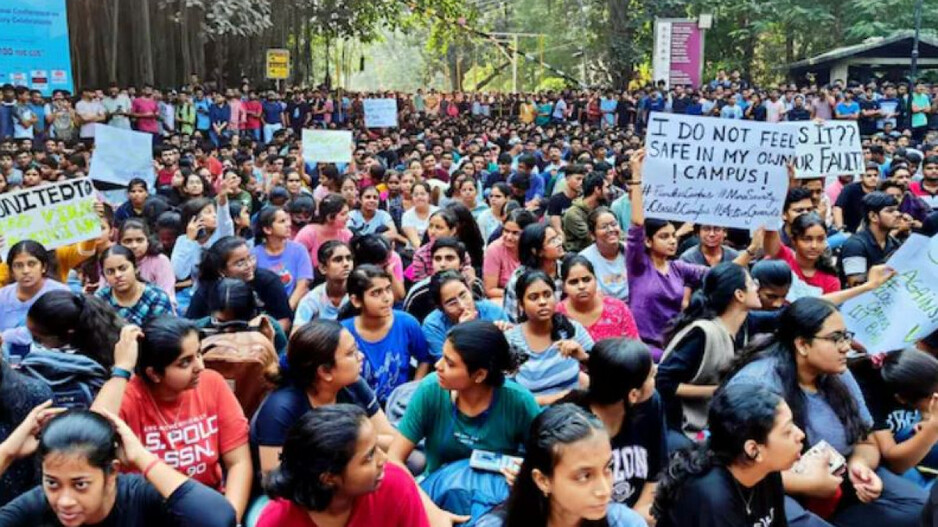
{"points": [[734, 477], [333, 473]]}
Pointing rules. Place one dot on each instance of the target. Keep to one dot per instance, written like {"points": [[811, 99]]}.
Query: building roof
{"points": [[899, 45]]}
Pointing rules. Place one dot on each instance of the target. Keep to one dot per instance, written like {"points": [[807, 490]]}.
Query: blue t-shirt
{"points": [[360, 226], [437, 324], [387, 361], [273, 111], [285, 405], [202, 120], [291, 265], [821, 420], [848, 108]]}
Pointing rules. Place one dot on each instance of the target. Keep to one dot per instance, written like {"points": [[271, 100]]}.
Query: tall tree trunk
{"points": [[146, 49], [297, 33]]}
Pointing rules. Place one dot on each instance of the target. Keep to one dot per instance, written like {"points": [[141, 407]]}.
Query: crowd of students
{"points": [[472, 321]]}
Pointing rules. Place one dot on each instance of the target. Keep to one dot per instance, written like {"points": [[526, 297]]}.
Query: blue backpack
{"points": [[74, 379], [460, 489]]}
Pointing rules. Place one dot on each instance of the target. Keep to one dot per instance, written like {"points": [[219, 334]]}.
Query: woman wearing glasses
{"points": [[230, 257], [806, 363]]}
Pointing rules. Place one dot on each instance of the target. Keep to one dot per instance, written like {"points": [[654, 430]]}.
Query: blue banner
{"points": [[34, 48]]}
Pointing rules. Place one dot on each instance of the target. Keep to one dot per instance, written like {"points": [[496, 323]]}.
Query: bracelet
{"points": [[150, 467], [120, 372]]}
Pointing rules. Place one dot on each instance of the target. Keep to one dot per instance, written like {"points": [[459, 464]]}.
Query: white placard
{"points": [[327, 146], [121, 155], [380, 113], [827, 148], [714, 171]]}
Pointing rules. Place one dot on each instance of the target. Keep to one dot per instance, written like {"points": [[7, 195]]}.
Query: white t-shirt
{"points": [[410, 219], [774, 110], [88, 109]]}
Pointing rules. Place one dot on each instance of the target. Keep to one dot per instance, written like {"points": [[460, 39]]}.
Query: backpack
{"points": [[243, 353], [74, 379]]}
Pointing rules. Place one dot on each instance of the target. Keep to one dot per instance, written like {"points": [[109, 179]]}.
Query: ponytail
{"points": [[87, 323]]}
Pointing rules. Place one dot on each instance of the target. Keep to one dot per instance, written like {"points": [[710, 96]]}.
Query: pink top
{"points": [[314, 235], [615, 321], [827, 282], [395, 503], [238, 115], [158, 270], [146, 105], [499, 261]]}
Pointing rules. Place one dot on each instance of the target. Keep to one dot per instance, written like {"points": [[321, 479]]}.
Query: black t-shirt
{"points": [[138, 504], [269, 290], [861, 251], [716, 499], [850, 201], [558, 204], [680, 366], [867, 125], [799, 114], [639, 450]]}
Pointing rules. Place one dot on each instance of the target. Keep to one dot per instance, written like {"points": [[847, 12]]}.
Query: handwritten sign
{"points": [[904, 309], [829, 148], [716, 171], [121, 155], [53, 215], [327, 146], [380, 113]]}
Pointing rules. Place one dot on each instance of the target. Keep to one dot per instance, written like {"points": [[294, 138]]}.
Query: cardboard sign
{"points": [[713, 171], [54, 215], [904, 309], [829, 148], [327, 146]]}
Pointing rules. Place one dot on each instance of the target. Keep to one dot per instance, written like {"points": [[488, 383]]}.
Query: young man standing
{"points": [[118, 106], [927, 188], [90, 111], [145, 109], [560, 202], [576, 231], [848, 209], [24, 119]]}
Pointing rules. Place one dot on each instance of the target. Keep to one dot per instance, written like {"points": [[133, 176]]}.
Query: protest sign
{"points": [[904, 309], [380, 113], [121, 155], [54, 215], [827, 148], [327, 146], [716, 171]]}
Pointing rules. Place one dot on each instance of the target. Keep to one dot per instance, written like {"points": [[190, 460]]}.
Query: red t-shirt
{"points": [[251, 122], [827, 282], [395, 503], [192, 433]]}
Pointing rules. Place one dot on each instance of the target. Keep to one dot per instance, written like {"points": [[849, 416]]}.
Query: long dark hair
{"points": [[738, 413], [34, 249], [552, 430], [85, 322], [265, 218], [561, 326], [215, 258], [910, 374], [322, 442], [617, 366], [803, 319], [800, 225], [358, 283], [312, 345], [714, 297], [153, 243], [468, 231], [481, 345], [531, 244], [162, 343]]}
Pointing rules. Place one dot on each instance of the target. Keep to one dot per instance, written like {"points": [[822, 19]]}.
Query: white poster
{"points": [[828, 148], [380, 113], [121, 155], [904, 309], [716, 171], [327, 146]]}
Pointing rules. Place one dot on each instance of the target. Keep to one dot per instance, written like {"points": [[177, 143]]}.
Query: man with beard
{"points": [[927, 188], [576, 231], [873, 244]]}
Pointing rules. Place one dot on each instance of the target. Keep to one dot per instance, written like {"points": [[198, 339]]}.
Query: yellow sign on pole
{"points": [[278, 63]]}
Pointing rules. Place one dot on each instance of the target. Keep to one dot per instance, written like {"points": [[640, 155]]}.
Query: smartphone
{"points": [[492, 461], [836, 463]]}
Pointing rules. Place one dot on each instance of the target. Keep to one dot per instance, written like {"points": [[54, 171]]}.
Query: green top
{"points": [[920, 118], [452, 436]]}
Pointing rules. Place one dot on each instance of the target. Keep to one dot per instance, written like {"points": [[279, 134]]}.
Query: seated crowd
{"points": [[472, 322]]}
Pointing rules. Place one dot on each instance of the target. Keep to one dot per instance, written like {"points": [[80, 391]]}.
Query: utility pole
{"points": [[918, 29], [512, 38]]}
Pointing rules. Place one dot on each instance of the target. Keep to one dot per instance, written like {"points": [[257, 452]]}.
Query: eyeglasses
{"points": [[245, 263], [556, 241], [611, 226], [839, 338]]}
